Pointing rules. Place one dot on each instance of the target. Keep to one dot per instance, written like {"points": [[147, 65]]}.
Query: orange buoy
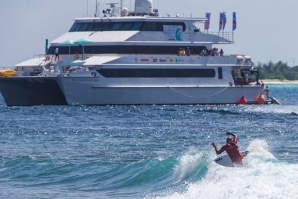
{"points": [[243, 100], [261, 99]]}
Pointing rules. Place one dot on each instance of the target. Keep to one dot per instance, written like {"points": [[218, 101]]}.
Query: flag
{"points": [[220, 21], [46, 48], [234, 21], [224, 20], [207, 23]]}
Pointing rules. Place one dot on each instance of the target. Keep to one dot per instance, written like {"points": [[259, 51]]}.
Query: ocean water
{"points": [[149, 151]]}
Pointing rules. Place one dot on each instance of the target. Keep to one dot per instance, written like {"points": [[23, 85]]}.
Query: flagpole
{"points": [[234, 25]]}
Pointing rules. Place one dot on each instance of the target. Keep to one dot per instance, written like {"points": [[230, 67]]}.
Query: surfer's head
{"points": [[229, 140]]}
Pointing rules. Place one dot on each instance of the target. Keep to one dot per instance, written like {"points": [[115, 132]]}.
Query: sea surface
{"points": [[149, 151]]}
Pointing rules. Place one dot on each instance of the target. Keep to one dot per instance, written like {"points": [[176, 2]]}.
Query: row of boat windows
{"points": [[157, 73], [123, 26], [73, 49]]}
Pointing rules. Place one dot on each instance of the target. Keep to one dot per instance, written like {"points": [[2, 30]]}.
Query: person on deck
{"points": [[246, 77], [266, 92], [203, 52], [77, 56], [242, 73], [56, 54], [231, 147], [183, 52], [187, 51], [221, 52], [234, 75], [180, 52]]}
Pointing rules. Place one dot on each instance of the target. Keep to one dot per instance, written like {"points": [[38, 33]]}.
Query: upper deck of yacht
{"points": [[142, 31]]}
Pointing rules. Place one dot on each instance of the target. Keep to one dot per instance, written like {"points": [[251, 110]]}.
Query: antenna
{"points": [[87, 9], [95, 15], [96, 9]]}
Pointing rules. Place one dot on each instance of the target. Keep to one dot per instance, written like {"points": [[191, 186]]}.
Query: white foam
{"points": [[187, 164], [280, 109], [262, 176]]}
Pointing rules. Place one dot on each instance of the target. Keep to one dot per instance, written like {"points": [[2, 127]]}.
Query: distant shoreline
{"points": [[277, 81]]}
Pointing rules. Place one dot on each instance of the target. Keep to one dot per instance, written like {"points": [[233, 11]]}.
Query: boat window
{"points": [[83, 27], [158, 26], [136, 26], [154, 27], [125, 26], [157, 73], [77, 27], [90, 27], [115, 26], [146, 26], [106, 26], [97, 26], [73, 27], [122, 49], [219, 72]]}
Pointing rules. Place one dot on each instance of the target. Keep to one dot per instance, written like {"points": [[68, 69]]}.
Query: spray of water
{"points": [[262, 176]]}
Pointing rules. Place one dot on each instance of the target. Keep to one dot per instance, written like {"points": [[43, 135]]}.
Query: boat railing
{"points": [[242, 59], [42, 57], [51, 57], [225, 35], [6, 68]]}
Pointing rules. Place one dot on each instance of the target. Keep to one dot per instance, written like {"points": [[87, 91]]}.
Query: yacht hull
{"points": [[162, 95], [30, 91]]}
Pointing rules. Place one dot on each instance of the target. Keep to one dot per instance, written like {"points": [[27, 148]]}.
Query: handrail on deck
{"points": [[226, 35], [6, 68]]}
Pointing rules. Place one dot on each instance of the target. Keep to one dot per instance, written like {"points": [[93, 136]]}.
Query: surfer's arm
{"points": [[216, 150], [232, 134]]}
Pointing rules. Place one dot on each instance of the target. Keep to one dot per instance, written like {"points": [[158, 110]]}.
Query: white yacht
{"points": [[134, 57]]}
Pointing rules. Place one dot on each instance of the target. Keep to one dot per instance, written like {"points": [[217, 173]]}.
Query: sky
{"points": [[267, 30]]}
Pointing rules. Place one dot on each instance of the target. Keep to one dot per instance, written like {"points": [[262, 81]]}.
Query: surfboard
{"points": [[275, 101], [226, 161]]}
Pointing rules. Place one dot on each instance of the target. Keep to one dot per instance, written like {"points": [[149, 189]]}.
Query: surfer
{"points": [[231, 147]]}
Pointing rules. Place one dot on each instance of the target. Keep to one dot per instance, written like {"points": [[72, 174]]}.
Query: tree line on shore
{"points": [[279, 70]]}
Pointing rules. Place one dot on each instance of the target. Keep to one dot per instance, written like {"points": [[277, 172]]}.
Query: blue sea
{"points": [[150, 152]]}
